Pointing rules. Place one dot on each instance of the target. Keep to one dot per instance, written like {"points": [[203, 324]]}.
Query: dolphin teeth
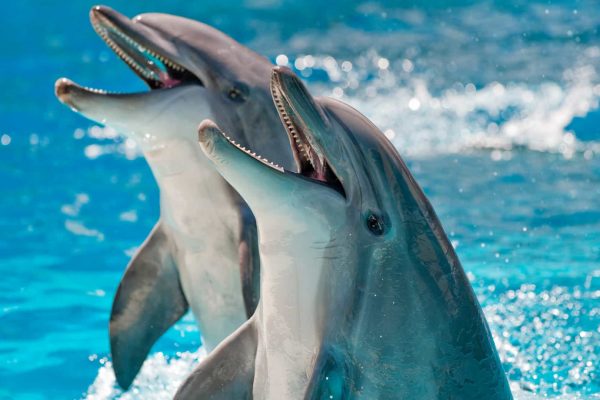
{"points": [[254, 155], [120, 52], [98, 91], [151, 75], [303, 149]]}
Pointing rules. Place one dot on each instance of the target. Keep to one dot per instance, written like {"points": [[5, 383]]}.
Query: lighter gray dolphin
{"points": [[203, 250], [362, 294]]}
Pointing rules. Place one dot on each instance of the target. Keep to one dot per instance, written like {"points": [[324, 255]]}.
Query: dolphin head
{"points": [[352, 189], [189, 67], [339, 154], [337, 148], [354, 213], [285, 203]]}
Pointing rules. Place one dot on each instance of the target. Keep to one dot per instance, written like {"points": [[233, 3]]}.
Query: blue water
{"points": [[494, 105]]}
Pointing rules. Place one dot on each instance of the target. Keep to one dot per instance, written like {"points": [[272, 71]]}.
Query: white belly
{"points": [[288, 321], [203, 221]]}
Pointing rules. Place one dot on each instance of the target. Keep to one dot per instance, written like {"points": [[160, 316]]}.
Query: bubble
{"points": [[383, 63], [282, 59], [309, 61], [299, 64], [129, 216], [34, 139], [5, 139], [79, 133], [407, 65], [414, 104], [346, 66], [93, 151]]}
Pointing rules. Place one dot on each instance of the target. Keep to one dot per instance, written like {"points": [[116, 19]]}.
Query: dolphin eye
{"points": [[237, 93], [375, 224]]}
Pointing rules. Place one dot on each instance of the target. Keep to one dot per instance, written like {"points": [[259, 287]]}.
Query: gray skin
{"points": [[362, 294], [203, 250]]}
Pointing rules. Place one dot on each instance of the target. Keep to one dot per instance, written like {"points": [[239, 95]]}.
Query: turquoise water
{"points": [[494, 105]]}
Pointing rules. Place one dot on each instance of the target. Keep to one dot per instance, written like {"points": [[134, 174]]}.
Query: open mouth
{"points": [[157, 70], [311, 160]]}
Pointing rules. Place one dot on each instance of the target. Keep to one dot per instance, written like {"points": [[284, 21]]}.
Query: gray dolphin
{"points": [[206, 235], [362, 294]]}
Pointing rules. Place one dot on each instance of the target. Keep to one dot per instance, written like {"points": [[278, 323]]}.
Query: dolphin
{"points": [[362, 294], [202, 251]]}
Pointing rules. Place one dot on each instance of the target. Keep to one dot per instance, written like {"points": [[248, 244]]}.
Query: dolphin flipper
{"points": [[228, 372], [148, 301], [249, 260]]}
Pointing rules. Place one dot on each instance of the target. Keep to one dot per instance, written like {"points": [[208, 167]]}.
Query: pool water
{"points": [[494, 105]]}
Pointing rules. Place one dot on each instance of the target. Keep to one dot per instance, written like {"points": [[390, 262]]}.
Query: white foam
{"points": [[495, 116], [532, 333], [117, 144], [158, 379], [78, 228]]}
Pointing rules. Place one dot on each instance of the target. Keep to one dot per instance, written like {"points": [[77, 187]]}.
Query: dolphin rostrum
{"points": [[206, 235], [362, 294]]}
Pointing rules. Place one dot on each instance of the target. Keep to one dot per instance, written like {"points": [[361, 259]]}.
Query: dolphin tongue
{"points": [[168, 81]]}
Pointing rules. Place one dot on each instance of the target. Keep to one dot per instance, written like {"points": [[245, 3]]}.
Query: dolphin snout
{"points": [[105, 15], [63, 88], [207, 131]]}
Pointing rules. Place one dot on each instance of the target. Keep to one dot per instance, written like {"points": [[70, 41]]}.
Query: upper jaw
{"points": [[68, 91], [148, 53], [304, 121]]}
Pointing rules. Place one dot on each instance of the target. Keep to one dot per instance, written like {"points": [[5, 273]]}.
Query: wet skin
{"points": [[362, 294], [203, 250]]}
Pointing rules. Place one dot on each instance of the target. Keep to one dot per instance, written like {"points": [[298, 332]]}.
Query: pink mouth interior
{"points": [[168, 81]]}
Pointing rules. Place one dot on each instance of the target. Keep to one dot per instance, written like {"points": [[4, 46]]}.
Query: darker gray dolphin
{"points": [[362, 294], [202, 252]]}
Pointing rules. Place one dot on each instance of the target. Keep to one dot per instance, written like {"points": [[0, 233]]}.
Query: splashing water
{"points": [[158, 379]]}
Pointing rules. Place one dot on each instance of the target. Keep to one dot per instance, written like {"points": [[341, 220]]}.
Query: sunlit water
{"points": [[493, 105]]}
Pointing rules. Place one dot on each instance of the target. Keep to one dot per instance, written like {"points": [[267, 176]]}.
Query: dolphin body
{"points": [[362, 294], [203, 250]]}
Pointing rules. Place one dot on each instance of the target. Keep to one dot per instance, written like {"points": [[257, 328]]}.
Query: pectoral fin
{"points": [[228, 372], [149, 300], [249, 260]]}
